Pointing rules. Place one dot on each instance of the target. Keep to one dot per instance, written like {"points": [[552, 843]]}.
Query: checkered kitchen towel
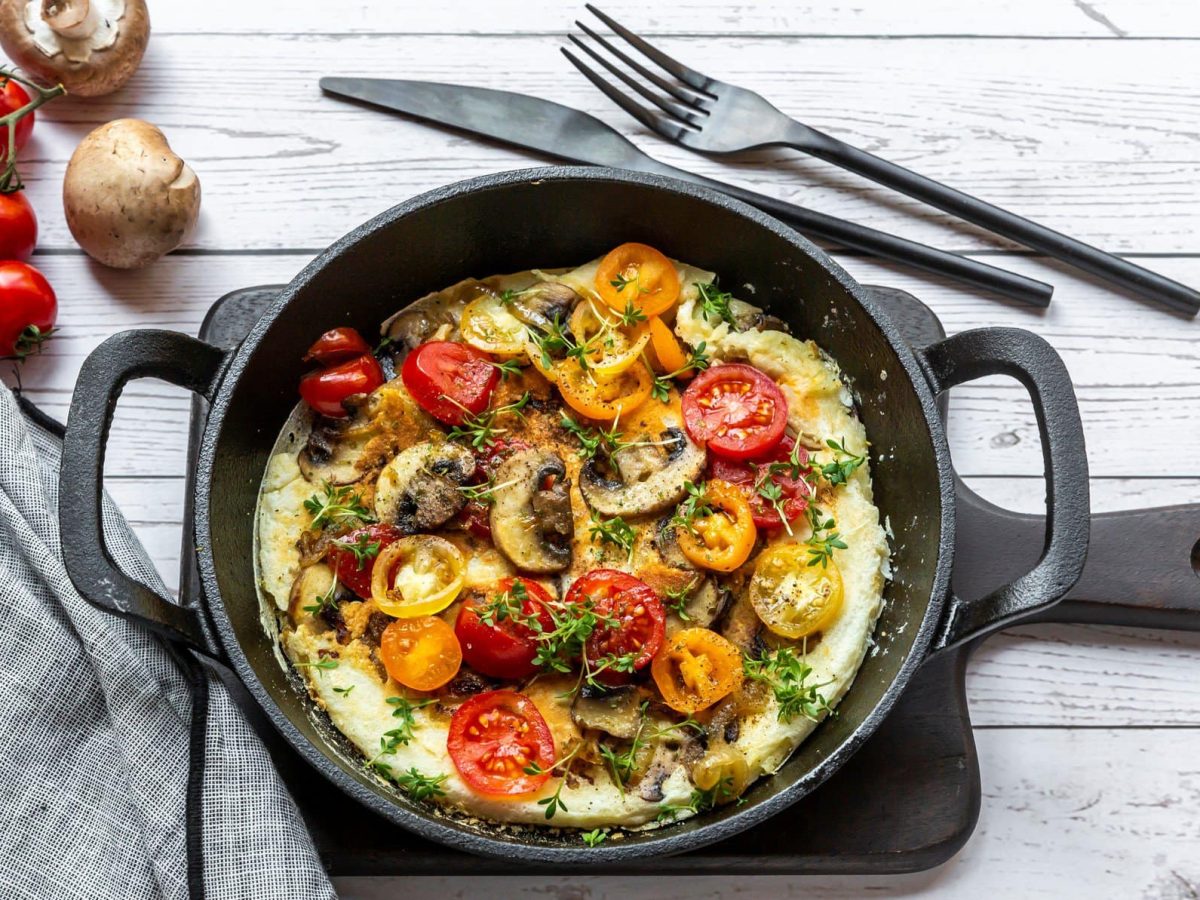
{"points": [[97, 784]]}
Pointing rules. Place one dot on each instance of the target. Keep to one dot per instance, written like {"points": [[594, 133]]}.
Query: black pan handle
{"points": [[168, 355], [1033, 362], [1142, 570]]}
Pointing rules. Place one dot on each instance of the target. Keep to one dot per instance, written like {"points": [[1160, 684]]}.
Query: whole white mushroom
{"points": [[91, 46], [128, 198]]}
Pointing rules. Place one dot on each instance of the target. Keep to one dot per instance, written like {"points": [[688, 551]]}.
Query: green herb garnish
{"points": [[336, 505]]}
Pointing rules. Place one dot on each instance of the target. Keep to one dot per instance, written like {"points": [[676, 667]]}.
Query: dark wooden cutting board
{"points": [[909, 799]]}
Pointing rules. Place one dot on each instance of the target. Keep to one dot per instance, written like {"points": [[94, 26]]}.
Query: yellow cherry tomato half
{"points": [[695, 669], [639, 275], [793, 598], [668, 352], [611, 347], [417, 575], [487, 324], [723, 538], [421, 653], [603, 398]]}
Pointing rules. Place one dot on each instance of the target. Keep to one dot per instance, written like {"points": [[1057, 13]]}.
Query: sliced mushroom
{"points": [[742, 627], [418, 321], [706, 604], [615, 712], [312, 583], [543, 303], [419, 489], [531, 517], [329, 454], [649, 479]]}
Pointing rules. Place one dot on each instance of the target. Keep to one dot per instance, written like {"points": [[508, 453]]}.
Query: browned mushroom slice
{"points": [[419, 490], [421, 320], [615, 712], [540, 305], [531, 517], [330, 455], [647, 479]]}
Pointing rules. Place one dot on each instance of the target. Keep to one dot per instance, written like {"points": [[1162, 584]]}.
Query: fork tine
{"points": [[674, 90], [690, 77], [674, 110], [652, 120]]}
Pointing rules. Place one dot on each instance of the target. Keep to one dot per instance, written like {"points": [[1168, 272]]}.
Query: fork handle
{"points": [[889, 246], [1038, 237]]}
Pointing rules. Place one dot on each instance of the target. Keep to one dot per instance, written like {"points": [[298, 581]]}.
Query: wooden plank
{"points": [[1064, 137], [1091, 813], [1105, 18], [1137, 371]]}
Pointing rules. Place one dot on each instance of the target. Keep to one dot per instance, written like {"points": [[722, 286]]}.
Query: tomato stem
{"points": [[9, 180]]}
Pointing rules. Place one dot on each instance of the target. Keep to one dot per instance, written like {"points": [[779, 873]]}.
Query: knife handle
{"points": [[897, 249]]}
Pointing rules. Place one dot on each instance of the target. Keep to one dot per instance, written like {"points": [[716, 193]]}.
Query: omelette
{"points": [[587, 548]]}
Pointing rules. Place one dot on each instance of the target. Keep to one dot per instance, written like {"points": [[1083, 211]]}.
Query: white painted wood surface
{"points": [[1085, 115]]}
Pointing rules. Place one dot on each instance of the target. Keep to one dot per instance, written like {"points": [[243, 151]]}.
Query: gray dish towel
{"points": [[96, 720]]}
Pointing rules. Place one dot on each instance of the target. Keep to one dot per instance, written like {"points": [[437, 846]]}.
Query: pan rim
{"points": [[694, 833]]}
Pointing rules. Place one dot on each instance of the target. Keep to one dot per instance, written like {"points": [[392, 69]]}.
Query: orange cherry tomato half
{"points": [[723, 539], [668, 352], [695, 669], [494, 738], [336, 346], [421, 653], [637, 274], [632, 624], [603, 398], [735, 411], [326, 390]]}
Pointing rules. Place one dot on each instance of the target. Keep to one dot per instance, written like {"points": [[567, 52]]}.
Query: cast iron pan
{"points": [[561, 216]]}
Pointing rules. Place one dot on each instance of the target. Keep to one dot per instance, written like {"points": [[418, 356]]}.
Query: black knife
{"points": [[564, 133]]}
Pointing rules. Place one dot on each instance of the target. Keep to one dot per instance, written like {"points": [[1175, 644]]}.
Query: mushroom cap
{"points": [[128, 198], [100, 72]]}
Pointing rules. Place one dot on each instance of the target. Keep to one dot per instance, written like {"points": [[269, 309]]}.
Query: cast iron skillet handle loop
{"points": [[1033, 362], [168, 355]]}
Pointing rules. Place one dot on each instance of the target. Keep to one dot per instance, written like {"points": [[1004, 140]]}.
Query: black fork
{"points": [[712, 116]]}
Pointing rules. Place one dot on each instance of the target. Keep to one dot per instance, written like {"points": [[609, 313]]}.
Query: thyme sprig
{"points": [[615, 531], [787, 674], [695, 506], [823, 540], [697, 361], [594, 838], [700, 800], [417, 785], [363, 548], [326, 664], [404, 709], [610, 441], [480, 430], [621, 764], [324, 601], [337, 506], [677, 598], [554, 802], [714, 303], [843, 465]]}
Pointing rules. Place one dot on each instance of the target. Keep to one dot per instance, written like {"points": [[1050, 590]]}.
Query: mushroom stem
{"points": [[73, 19]]}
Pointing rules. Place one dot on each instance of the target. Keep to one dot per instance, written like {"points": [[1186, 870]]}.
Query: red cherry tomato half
{"points": [[325, 389], [638, 616], [12, 98], [743, 473], [18, 224], [28, 308], [735, 410], [337, 346], [494, 737], [506, 648], [354, 569], [450, 380]]}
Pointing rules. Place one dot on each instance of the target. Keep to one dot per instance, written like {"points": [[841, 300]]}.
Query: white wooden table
{"points": [[1085, 116]]}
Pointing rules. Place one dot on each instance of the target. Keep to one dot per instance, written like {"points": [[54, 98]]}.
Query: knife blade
{"points": [[561, 132]]}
